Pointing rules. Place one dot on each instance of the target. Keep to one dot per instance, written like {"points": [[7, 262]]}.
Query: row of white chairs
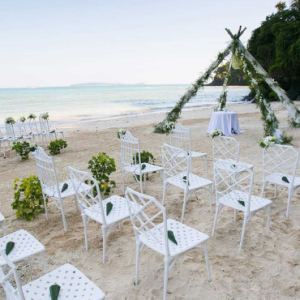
{"points": [[28, 130]]}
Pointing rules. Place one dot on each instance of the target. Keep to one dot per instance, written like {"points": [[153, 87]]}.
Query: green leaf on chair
{"points": [[9, 247], [188, 153], [143, 167], [184, 180], [233, 166], [53, 131], [54, 291], [241, 202], [65, 187], [109, 207], [171, 237], [284, 178]]}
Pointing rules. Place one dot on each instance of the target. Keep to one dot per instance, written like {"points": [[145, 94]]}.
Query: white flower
{"points": [[216, 132]]}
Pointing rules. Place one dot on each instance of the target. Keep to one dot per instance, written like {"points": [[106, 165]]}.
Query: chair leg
{"points": [[123, 181], [291, 192], [206, 169], [76, 204], [207, 262], [234, 215], [263, 188], [104, 242], [218, 208], [210, 197], [243, 231], [166, 275], [164, 193], [141, 183], [45, 205], [63, 216], [120, 226], [137, 262], [44, 261], [184, 204], [268, 218], [85, 231]]}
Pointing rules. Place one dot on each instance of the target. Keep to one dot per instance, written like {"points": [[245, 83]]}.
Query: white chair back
{"points": [[47, 173], [225, 147], [22, 127], [180, 137], [87, 197], [33, 126], [130, 150], [148, 218], [230, 181], [175, 162], [44, 125], [12, 293], [281, 160], [9, 130]]}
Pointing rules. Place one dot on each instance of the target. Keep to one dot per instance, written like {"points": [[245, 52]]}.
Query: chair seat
{"points": [[193, 153], [135, 169], [118, 213], [276, 178], [195, 182], [1, 218], [232, 199], [68, 192], [73, 285], [25, 246], [186, 237], [233, 166]]}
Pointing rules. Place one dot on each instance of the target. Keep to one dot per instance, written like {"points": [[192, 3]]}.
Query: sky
{"points": [[60, 42]]}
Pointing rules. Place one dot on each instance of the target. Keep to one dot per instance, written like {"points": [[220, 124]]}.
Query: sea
{"points": [[87, 103]]}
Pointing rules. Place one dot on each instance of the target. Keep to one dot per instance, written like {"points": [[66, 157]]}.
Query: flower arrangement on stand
{"points": [[267, 141], [216, 132], [45, 116], [31, 117], [22, 119], [10, 120], [121, 132]]}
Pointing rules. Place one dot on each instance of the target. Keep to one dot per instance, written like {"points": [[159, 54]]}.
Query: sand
{"points": [[266, 268]]}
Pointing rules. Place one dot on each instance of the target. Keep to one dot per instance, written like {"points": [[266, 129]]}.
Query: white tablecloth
{"points": [[224, 121]]}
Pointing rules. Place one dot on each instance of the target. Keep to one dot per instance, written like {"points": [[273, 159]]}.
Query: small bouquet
{"points": [[10, 120], [31, 117], [121, 132], [45, 116], [267, 141], [22, 119], [168, 127], [216, 132]]}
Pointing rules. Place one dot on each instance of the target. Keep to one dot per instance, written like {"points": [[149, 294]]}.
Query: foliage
{"points": [[56, 146], [31, 116], [237, 77], [120, 132], [276, 46], [216, 132], [146, 158], [45, 116], [23, 149], [280, 6], [10, 120], [267, 141], [101, 167], [22, 119], [28, 198]]}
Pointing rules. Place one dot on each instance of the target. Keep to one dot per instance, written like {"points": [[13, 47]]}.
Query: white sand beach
{"points": [[266, 268]]}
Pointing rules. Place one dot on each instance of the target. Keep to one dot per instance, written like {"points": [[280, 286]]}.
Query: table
{"points": [[225, 121]]}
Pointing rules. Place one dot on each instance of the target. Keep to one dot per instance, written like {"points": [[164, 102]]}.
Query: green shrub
{"points": [[24, 148], [146, 157], [28, 198], [101, 167], [56, 146]]}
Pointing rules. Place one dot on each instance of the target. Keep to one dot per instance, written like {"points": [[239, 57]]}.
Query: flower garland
{"points": [[10, 120], [175, 113], [215, 133], [121, 132], [31, 117], [45, 116], [267, 141]]}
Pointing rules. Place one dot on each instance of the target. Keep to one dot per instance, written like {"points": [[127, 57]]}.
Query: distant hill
{"points": [[104, 84]]}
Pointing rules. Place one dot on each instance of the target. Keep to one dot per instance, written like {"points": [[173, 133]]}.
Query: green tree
{"points": [[280, 6]]}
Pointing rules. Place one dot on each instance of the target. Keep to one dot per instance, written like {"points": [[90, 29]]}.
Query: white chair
{"points": [[278, 162], [3, 140], [180, 137], [73, 284], [26, 247], [2, 222], [151, 228], [51, 187], [34, 132], [236, 192], [176, 165], [131, 160], [92, 207], [45, 129], [15, 132]]}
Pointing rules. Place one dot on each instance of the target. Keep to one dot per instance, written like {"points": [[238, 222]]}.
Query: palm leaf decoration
{"points": [[54, 291], [109, 207], [241, 202], [65, 187], [9, 247], [143, 166], [171, 237], [284, 178], [184, 180]]}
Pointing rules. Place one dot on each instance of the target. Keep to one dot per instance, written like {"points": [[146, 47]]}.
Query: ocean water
{"points": [[75, 104]]}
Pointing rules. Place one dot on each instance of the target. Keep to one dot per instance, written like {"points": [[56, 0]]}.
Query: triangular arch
{"points": [[253, 71]]}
